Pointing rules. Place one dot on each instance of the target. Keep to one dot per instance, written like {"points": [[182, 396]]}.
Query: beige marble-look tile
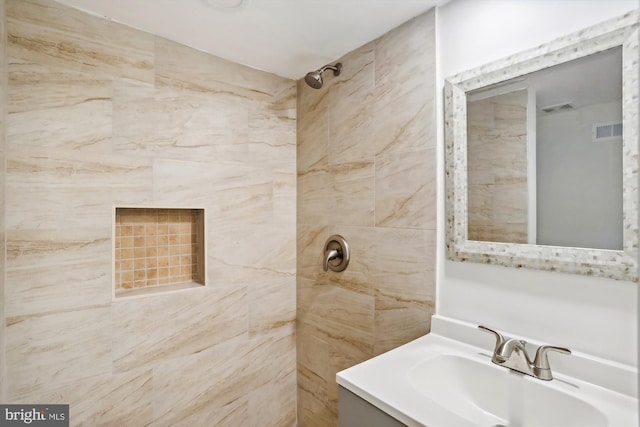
{"points": [[56, 348], [38, 166], [57, 108], [344, 319], [405, 50], [36, 290], [63, 246], [350, 110], [404, 108], [102, 400], [207, 388], [284, 197], [3, 90], [310, 244], [181, 66], [88, 206], [315, 196], [406, 190], [152, 330], [176, 123], [35, 86], [81, 127], [353, 194], [312, 355], [47, 32], [266, 411], [241, 254], [272, 131], [272, 303], [405, 286], [405, 265], [312, 137], [232, 192], [398, 322]]}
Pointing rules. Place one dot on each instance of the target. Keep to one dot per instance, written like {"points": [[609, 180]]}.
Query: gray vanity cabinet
{"points": [[357, 412]]}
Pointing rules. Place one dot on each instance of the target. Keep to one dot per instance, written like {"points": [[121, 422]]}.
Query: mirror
{"points": [[542, 156]]}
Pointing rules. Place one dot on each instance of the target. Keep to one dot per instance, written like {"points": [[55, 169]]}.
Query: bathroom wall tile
{"points": [[63, 246], [266, 411], [191, 322], [313, 137], [398, 322], [180, 66], [3, 92], [350, 112], [218, 386], [234, 193], [284, 198], [240, 254], [315, 201], [57, 348], [313, 374], [82, 127], [358, 276], [47, 32], [97, 400], [312, 354], [404, 266], [272, 303], [43, 289], [344, 319], [404, 50], [353, 194], [36, 86], [406, 190], [272, 359], [405, 84], [209, 387], [178, 124], [57, 108], [310, 244], [405, 284], [37, 166], [88, 206], [272, 130]]}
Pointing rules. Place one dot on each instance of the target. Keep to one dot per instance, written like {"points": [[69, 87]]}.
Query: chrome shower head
{"points": [[314, 78]]}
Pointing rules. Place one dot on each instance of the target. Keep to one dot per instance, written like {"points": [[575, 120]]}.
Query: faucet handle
{"points": [[541, 366], [499, 338]]}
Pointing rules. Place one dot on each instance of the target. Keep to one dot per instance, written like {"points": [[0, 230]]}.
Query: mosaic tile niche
{"points": [[158, 250]]}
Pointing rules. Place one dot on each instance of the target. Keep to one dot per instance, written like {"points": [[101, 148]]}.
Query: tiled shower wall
{"points": [[101, 115], [3, 98], [367, 171]]}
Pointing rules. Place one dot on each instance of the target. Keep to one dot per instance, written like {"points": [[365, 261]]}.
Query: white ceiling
{"points": [[285, 37]]}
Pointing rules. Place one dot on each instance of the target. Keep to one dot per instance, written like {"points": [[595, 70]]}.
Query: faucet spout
{"points": [[512, 353]]}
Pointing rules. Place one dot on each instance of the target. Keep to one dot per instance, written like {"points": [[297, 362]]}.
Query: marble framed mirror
{"points": [[498, 208]]}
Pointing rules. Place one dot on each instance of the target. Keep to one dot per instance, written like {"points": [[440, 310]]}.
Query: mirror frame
{"points": [[615, 264]]}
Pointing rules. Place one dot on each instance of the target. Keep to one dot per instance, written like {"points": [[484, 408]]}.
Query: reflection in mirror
{"points": [[544, 156]]}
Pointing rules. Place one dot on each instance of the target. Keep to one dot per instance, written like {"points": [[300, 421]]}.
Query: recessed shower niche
{"points": [[158, 250]]}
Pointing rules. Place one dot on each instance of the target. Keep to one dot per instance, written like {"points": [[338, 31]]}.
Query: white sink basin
{"points": [[435, 381], [491, 395]]}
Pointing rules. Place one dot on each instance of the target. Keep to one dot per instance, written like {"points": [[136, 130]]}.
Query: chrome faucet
{"points": [[512, 353]]}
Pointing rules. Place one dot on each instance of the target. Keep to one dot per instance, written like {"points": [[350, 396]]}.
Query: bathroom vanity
{"points": [[357, 412], [447, 378]]}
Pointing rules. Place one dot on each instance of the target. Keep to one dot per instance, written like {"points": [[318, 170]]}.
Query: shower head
{"points": [[314, 78]]}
